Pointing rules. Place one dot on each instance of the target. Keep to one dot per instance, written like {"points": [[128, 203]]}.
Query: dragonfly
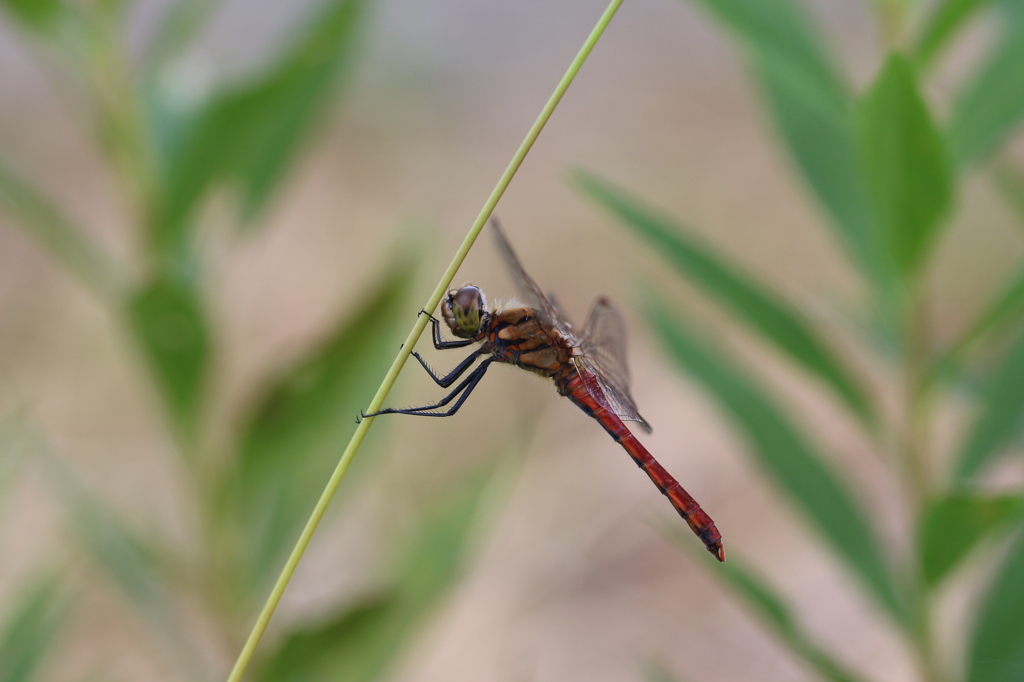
{"points": [[588, 367]]}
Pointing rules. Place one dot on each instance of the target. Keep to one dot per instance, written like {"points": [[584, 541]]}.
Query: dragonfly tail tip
{"points": [[719, 552]]}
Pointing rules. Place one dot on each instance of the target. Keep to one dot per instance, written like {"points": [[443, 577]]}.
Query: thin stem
{"points": [[916, 449], [421, 322], [931, 666], [914, 442]]}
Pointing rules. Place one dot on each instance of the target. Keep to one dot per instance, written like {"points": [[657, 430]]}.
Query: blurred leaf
{"points": [[1004, 308], [948, 17], [813, 111], [301, 421], [177, 29], [66, 242], [997, 644], [125, 557], [906, 165], [170, 327], [779, 34], [364, 643], [32, 629], [356, 639], [38, 15], [784, 454], [952, 526], [1009, 181], [752, 302], [772, 609], [991, 105], [251, 134], [129, 560], [438, 552], [1000, 408]]}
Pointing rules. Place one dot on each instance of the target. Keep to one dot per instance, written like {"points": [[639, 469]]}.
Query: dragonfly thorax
{"points": [[465, 311]]}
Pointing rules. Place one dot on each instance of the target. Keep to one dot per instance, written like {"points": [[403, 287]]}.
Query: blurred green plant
{"points": [[886, 172], [33, 626], [171, 155]]}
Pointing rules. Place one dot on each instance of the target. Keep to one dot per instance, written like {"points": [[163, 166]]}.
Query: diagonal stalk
{"points": [[421, 322]]}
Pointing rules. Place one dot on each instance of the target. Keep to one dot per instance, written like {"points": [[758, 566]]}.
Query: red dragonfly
{"points": [[589, 368]]}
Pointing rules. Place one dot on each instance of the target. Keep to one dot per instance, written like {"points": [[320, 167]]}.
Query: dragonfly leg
{"points": [[441, 344], [451, 377], [464, 388]]}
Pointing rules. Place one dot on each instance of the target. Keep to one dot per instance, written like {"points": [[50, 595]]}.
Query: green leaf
{"points": [[773, 611], [37, 15], [784, 454], [1006, 307], [905, 160], [129, 560], [66, 241], [356, 639], [252, 133], [1002, 310], [997, 643], [31, 630], [948, 17], [991, 105], [170, 328], [1000, 409], [952, 526], [126, 558], [176, 31], [813, 111], [365, 643], [780, 35], [1008, 180], [292, 437], [751, 301]]}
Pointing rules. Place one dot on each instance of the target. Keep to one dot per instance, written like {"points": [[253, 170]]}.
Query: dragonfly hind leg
{"points": [[452, 376], [464, 388]]}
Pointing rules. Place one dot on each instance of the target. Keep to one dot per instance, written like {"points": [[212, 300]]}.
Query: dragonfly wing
{"points": [[604, 355], [527, 288]]}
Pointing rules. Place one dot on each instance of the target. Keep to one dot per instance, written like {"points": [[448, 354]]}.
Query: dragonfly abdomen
{"points": [[572, 386]]}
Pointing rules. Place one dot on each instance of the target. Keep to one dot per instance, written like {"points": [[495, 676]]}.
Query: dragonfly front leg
{"points": [[441, 344], [449, 378], [465, 388]]}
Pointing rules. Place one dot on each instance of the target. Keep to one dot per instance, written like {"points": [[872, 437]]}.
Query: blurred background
{"points": [[217, 223]]}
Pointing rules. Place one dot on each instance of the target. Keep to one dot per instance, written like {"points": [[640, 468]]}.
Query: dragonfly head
{"points": [[465, 311]]}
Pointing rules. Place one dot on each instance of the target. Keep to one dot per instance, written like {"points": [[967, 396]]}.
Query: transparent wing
{"points": [[603, 344], [527, 288]]}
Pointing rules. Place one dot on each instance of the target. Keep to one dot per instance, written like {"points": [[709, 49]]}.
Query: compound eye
{"points": [[467, 308]]}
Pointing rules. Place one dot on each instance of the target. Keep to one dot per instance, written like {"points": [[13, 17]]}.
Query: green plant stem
{"points": [[421, 322], [916, 401], [916, 450], [931, 666]]}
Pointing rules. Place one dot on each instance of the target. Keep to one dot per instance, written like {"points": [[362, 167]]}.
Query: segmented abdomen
{"points": [[572, 385]]}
